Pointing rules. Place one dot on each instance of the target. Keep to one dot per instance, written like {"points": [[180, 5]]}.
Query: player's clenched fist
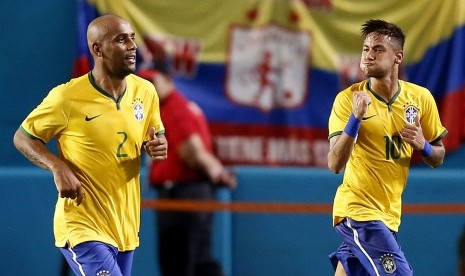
{"points": [[361, 100], [157, 147], [413, 134]]}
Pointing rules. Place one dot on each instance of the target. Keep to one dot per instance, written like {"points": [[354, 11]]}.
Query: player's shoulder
{"points": [[349, 91], [73, 82], [358, 86], [68, 89], [411, 87], [140, 82]]}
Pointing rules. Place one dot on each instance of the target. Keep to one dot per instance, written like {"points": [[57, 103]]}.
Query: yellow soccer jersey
{"points": [[101, 139], [376, 173]]}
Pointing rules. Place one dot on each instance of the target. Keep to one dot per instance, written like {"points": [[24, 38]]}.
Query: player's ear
{"points": [[399, 57], [96, 49]]}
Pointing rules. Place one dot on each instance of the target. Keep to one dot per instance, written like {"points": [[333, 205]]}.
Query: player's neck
{"points": [[113, 86], [386, 88]]}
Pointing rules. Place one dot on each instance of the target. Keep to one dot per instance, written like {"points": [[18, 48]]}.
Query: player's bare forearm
{"points": [[437, 155], [340, 148], [35, 151]]}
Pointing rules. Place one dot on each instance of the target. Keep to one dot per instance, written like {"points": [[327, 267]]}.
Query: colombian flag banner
{"points": [[266, 72]]}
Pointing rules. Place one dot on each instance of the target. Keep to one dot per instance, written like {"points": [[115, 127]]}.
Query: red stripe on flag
{"points": [[452, 110], [81, 66]]}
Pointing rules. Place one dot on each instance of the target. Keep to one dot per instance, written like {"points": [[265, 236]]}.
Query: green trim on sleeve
{"points": [[334, 134], [30, 135], [444, 133]]}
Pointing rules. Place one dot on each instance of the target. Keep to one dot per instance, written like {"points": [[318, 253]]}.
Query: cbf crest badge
{"points": [[103, 273], [388, 262], [138, 109], [410, 113]]}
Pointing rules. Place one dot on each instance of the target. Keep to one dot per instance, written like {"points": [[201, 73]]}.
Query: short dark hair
{"points": [[385, 28]]}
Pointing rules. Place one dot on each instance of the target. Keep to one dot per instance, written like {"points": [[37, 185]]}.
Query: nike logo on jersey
{"points": [[91, 118], [366, 118]]}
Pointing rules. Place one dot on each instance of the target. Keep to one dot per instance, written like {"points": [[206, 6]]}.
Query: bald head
{"points": [[101, 27], [111, 42]]}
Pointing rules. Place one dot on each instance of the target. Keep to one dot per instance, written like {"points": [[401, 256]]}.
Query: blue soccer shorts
{"points": [[98, 258], [369, 248]]}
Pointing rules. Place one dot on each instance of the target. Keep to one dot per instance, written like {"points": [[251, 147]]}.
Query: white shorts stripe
{"points": [[75, 260], [357, 241]]}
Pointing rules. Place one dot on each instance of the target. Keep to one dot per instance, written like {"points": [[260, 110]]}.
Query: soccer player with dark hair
{"points": [[374, 128]]}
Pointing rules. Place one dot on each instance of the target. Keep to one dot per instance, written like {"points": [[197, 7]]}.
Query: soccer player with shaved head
{"points": [[103, 122]]}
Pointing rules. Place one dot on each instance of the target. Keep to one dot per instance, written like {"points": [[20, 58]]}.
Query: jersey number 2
{"points": [[120, 146]]}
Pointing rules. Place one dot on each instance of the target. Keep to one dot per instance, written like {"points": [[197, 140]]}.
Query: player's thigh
{"points": [[93, 258], [345, 262], [340, 270], [375, 246], [125, 260]]}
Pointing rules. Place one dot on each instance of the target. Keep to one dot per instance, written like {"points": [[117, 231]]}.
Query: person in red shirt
{"points": [[190, 172]]}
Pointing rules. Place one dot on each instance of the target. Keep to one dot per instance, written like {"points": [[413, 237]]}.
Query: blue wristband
{"points": [[427, 150], [352, 127]]}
